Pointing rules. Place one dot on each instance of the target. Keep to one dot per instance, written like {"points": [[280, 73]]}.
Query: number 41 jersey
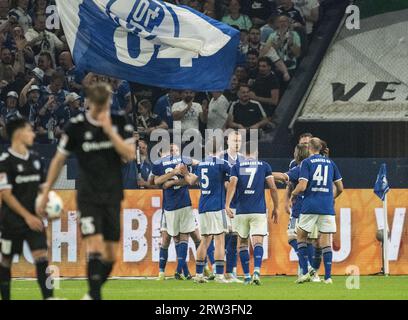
{"points": [[250, 189], [320, 173]]}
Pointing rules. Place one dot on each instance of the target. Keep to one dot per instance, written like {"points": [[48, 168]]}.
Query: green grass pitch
{"points": [[272, 288]]}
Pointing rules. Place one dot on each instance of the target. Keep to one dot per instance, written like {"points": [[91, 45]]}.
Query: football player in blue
{"points": [[232, 156], [304, 139], [211, 174], [248, 179], [178, 213], [291, 178], [318, 176]]}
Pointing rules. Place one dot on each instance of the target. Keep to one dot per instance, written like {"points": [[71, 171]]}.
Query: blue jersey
{"points": [[176, 197], [250, 189], [320, 173], [232, 162], [293, 175], [212, 172], [292, 164]]}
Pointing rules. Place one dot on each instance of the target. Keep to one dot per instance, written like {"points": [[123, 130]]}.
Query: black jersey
{"points": [[23, 175], [100, 166]]}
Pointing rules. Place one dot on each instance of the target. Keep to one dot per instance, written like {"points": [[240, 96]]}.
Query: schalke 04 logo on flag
{"points": [[150, 42]]}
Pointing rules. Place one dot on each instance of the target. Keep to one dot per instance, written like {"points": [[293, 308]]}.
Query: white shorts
{"points": [[254, 224], [292, 225], [231, 222], [324, 223], [213, 223], [314, 234], [180, 221]]}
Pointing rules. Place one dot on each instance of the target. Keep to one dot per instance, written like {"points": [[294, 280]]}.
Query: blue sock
{"points": [[293, 244], [219, 267], [244, 256], [183, 254], [200, 267], [303, 256], [210, 252], [164, 253], [232, 254], [317, 258], [258, 255], [179, 268], [327, 260], [310, 252]]}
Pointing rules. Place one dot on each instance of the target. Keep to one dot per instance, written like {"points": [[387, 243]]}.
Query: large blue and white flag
{"points": [[150, 42], [381, 186]]}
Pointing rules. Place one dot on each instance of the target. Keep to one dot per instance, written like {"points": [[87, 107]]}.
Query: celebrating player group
{"points": [[233, 212]]}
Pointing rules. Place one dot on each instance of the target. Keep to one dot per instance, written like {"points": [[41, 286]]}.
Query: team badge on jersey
{"points": [[20, 168], [37, 165], [88, 135]]}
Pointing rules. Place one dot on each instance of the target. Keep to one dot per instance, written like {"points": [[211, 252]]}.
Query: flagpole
{"points": [[385, 239]]}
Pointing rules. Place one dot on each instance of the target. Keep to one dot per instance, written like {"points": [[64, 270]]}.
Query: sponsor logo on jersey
{"points": [[27, 179], [96, 146]]}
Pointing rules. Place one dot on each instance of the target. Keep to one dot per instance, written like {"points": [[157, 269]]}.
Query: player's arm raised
{"points": [[232, 186], [270, 181]]}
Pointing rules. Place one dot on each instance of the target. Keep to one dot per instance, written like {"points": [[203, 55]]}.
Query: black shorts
{"points": [[12, 242], [100, 219]]}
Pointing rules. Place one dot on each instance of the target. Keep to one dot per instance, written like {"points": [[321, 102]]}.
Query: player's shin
{"points": [[327, 261], [310, 252], [41, 265], [5, 280], [164, 253], [258, 255], [95, 271], [303, 256], [232, 254], [244, 257], [107, 267], [317, 258], [181, 257]]}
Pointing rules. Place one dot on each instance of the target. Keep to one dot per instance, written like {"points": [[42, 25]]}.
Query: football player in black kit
{"points": [[21, 174], [101, 142]]}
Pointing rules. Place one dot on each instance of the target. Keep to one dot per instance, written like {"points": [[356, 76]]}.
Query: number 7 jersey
{"points": [[320, 173], [250, 189]]}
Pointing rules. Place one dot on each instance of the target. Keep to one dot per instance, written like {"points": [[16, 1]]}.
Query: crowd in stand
{"points": [[39, 80]]}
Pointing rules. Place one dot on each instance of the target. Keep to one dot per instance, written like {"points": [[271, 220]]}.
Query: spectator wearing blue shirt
{"points": [[121, 96], [55, 88], [73, 76], [163, 106], [50, 121]]}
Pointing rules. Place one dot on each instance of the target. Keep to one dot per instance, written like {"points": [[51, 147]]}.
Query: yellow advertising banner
{"points": [[356, 248]]}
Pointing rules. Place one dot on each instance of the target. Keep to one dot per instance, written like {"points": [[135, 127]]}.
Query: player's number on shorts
{"points": [[251, 172], [87, 225], [320, 177], [205, 182]]}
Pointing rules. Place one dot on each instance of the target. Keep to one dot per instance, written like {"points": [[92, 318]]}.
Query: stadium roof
{"points": [[364, 75]]}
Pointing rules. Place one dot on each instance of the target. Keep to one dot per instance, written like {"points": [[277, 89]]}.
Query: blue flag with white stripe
{"points": [[381, 186], [150, 42]]}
